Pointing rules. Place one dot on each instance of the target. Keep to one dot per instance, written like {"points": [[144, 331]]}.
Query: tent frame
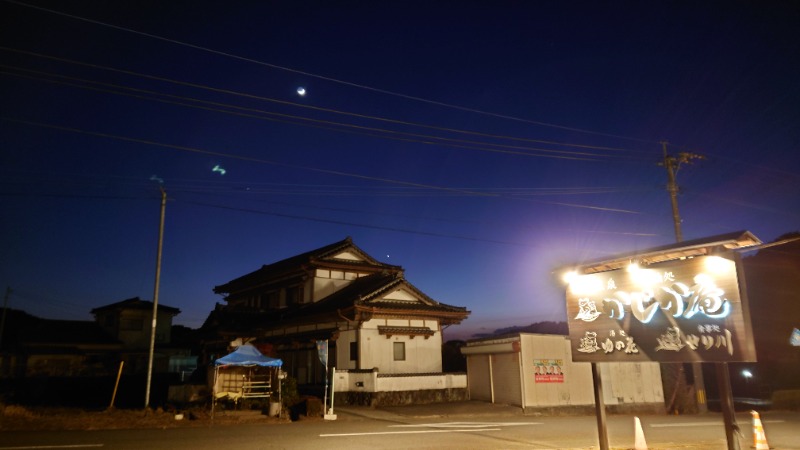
{"points": [[248, 356]]}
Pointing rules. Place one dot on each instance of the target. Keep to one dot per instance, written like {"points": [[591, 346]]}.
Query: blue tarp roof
{"points": [[247, 355]]}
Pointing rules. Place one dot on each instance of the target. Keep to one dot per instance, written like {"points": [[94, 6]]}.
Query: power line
{"points": [[360, 225], [351, 128], [297, 166], [330, 125], [321, 77], [305, 106]]}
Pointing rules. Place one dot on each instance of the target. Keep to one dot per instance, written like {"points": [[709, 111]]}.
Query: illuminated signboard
{"points": [[678, 311]]}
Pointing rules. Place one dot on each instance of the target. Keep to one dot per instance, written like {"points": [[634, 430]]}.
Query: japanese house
{"points": [[384, 334]]}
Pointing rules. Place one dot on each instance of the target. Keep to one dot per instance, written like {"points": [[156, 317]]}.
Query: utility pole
{"points": [[3, 320], [155, 298], [672, 164]]}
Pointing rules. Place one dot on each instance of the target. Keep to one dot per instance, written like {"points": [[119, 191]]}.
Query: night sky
{"points": [[480, 145]]}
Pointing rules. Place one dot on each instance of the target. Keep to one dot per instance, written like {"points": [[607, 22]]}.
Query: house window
{"points": [[293, 295], [270, 300], [399, 351], [354, 351], [131, 324]]}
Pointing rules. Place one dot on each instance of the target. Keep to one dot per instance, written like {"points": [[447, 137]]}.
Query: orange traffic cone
{"points": [[638, 437], [759, 437]]}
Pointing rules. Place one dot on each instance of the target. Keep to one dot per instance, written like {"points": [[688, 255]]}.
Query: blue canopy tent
{"points": [[244, 384], [247, 355]]}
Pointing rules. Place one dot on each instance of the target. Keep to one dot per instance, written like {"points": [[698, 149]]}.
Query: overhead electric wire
{"points": [[324, 124], [321, 77], [179, 187], [294, 166], [358, 224], [312, 107]]}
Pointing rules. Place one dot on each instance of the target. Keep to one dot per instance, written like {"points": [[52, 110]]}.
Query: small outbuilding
{"points": [[536, 372]]}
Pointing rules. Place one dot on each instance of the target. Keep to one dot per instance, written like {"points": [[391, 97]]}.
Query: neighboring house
{"points": [[35, 347], [384, 334], [130, 321], [32, 346]]}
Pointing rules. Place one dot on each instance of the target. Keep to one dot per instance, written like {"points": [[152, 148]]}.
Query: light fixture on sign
{"points": [[717, 264], [570, 276]]}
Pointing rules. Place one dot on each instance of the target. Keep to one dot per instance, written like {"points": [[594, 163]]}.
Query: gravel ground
{"points": [[14, 417]]}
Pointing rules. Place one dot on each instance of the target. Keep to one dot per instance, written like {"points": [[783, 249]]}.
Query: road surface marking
{"points": [[701, 424], [684, 424], [37, 447], [466, 424], [377, 433]]}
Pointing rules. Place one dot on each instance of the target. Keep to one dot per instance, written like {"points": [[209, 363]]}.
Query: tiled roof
{"points": [[365, 290], [135, 303], [298, 262], [361, 292], [405, 331]]}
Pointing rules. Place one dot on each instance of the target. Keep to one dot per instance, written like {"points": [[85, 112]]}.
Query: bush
{"points": [[289, 393]]}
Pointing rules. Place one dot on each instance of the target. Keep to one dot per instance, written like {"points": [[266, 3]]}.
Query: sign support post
{"points": [[726, 404], [600, 408]]}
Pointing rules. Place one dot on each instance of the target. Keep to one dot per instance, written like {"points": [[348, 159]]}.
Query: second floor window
{"points": [[399, 351]]}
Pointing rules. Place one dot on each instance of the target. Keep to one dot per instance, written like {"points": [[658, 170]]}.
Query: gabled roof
{"points": [[370, 293], [135, 303], [331, 253], [685, 249], [366, 294]]}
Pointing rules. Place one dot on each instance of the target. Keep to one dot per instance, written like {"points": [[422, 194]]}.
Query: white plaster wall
{"points": [[577, 388], [422, 355], [343, 349], [623, 383]]}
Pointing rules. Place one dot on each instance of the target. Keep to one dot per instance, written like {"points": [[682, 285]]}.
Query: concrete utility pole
{"points": [[672, 164], [155, 298], [3, 320]]}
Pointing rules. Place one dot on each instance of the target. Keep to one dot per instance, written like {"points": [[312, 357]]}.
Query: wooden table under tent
{"points": [[244, 374]]}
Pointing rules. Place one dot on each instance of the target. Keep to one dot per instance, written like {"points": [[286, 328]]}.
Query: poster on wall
{"points": [[687, 310], [548, 371]]}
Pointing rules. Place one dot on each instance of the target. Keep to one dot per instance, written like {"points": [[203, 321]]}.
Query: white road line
{"points": [[466, 424], [378, 433], [37, 447], [703, 424], [684, 424]]}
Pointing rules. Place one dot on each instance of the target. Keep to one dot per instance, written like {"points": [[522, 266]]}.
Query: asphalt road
{"points": [[370, 429]]}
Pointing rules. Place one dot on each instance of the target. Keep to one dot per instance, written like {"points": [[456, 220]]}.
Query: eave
{"points": [[444, 317], [681, 250]]}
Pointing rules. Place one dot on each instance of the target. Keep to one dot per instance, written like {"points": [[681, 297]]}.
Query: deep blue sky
{"points": [[480, 145]]}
